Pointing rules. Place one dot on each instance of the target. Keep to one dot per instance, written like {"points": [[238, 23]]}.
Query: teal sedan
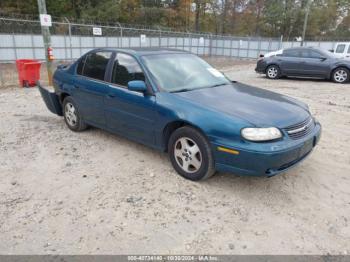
{"points": [[175, 102]]}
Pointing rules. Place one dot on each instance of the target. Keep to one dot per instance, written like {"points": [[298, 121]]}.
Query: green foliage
{"points": [[327, 18]]}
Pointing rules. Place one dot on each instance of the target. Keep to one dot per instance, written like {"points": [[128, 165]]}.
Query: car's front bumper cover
{"points": [[266, 163]]}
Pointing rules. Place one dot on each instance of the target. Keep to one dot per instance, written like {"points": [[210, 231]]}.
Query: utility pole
{"points": [[308, 4], [45, 30]]}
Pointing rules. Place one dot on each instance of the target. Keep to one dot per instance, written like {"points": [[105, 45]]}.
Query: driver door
{"points": [[129, 113]]}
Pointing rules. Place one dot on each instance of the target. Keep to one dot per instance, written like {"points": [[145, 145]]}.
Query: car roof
{"points": [[141, 51], [303, 48]]}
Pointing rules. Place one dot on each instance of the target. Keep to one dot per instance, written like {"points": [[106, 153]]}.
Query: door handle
{"points": [[111, 95], [76, 87]]}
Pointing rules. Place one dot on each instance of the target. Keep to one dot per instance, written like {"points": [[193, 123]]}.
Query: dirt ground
{"points": [[97, 193]]}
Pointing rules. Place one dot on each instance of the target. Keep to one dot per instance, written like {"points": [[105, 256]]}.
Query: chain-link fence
{"points": [[21, 38]]}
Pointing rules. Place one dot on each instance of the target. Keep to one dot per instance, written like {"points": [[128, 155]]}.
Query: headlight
{"points": [[261, 134]]}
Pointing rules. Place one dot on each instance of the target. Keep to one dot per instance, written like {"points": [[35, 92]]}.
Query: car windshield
{"points": [[182, 72]]}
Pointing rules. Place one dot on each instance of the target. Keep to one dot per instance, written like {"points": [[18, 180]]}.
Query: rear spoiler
{"points": [[51, 100]]}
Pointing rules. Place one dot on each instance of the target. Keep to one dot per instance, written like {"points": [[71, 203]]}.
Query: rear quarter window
{"points": [[96, 64], [291, 53]]}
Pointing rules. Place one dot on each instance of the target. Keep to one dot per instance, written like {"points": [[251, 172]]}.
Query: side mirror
{"points": [[137, 86]]}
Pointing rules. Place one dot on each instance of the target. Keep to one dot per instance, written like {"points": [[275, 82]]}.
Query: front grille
{"points": [[300, 130]]}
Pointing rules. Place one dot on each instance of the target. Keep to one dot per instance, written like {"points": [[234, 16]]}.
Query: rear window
{"points": [[314, 54], [340, 49], [95, 65], [291, 53]]}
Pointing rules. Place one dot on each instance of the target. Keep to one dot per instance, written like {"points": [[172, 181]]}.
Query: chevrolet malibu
{"points": [[175, 102]]}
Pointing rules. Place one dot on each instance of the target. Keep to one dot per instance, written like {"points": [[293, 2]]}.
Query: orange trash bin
{"points": [[28, 72]]}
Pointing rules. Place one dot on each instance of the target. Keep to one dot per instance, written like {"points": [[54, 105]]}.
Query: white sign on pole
{"points": [[45, 20], [201, 40], [143, 39], [97, 31]]}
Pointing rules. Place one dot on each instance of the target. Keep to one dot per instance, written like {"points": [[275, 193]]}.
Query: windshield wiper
{"points": [[188, 89], [222, 84], [181, 90]]}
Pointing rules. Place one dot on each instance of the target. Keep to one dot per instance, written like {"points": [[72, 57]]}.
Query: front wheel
{"points": [[340, 75], [190, 154], [71, 115], [273, 72]]}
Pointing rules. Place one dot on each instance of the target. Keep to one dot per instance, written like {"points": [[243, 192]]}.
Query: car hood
{"points": [[258, 106]]}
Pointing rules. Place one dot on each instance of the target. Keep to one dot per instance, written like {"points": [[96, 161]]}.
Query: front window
{"points": [[125, 69], [182, 72]]}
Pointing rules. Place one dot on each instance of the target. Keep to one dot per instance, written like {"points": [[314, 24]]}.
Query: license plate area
{"points": [[307, 147]]}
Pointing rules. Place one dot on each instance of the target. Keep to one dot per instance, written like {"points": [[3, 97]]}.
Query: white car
{"points": [[342, 50], [274, 53]]}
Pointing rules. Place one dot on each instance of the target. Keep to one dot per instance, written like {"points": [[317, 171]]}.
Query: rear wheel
{"points": [[340, 75], [273, 72], [190, 154], [71, 115]]}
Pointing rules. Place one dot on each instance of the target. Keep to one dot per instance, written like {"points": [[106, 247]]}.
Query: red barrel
{"points": [[28, 72]]}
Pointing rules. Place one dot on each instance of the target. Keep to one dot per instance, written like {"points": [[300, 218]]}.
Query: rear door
{"points": [[313, 64], [90, 87], [128, 112]]}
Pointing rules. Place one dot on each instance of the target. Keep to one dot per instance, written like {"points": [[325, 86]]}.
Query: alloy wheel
{"points": [[187, 155], [272, 72], [70, 114], [340, 76]]}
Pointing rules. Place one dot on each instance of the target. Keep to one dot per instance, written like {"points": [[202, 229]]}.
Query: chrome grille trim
{"points": [[301, 129]]}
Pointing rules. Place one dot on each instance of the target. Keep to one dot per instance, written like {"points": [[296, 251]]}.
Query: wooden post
{"points": [[47, 40]]}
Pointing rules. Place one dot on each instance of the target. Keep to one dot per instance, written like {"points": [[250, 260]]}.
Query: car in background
{"points": [[273, 53], [342, 50], [176, 102], [309, 62]]}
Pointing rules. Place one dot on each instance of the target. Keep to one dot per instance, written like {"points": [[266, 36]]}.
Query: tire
{"points": [[71, 115], [340, 75], [190, 154], [273, 72]]}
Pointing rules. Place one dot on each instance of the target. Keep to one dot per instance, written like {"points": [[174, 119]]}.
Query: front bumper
{"points": [[266, 163]]}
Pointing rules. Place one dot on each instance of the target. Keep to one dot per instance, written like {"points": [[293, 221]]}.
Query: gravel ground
{"points": [[97, 193]]}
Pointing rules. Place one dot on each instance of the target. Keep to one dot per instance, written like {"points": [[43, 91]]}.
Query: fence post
{"points": [[121, 36], [32, 42], [239, 48], [190, 42], [14, 44], [70, 37], [281, 42], [210, 44], [248, 51]]}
